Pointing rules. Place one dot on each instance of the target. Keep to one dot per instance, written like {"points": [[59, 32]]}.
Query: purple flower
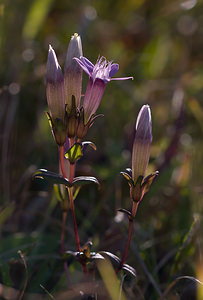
{"points": [[56, 97], [142, 142], [99, 74], [55, 87], [73, 72]]}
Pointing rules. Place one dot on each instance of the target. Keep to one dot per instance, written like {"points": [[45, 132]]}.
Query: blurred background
{"points": [[160, 44]]}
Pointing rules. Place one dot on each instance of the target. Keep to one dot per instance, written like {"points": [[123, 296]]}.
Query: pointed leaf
{"points": [[52, 177], [76, 192], [112, 256], [129, 270], [82, 180], [74, 153], [125, 211], [88, 143], [96, 256], [58, 192]]}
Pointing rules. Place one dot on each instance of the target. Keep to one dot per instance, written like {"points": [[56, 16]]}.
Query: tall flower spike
{"points": [[99, 75], [73, 73], [142, 142], [55, 96]]}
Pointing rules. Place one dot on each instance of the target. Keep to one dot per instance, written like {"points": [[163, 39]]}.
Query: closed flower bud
{"points": [[73, 72], [55, 96], [142, 142], [55, 86]]}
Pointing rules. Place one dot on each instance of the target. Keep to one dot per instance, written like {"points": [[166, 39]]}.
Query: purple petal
{"points": [[93, 96], [87, 63], [82, 66], [114, 69]]}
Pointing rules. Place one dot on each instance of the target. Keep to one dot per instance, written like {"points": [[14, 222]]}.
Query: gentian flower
{"points": [[142, 142], [99, 75], [56, 97], [73, 73], [139, 184]]}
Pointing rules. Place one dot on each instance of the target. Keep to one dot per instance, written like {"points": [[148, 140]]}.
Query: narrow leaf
{"points": [[82, 180], [52, 177], [125, 211], [88, 143], [112, 256], [129, 270]]}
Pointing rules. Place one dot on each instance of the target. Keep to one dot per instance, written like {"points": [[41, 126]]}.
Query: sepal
{"points": [[148, 181], [128, 177], [58, 129]]}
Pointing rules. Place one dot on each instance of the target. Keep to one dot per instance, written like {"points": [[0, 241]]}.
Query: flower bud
{"points": [[55, 86], [73, 72], [56, 96], [142, 142]]}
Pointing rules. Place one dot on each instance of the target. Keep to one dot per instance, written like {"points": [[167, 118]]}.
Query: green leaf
{"points": [[74, 153], [52, 177], [58, 192], [82, 180]]}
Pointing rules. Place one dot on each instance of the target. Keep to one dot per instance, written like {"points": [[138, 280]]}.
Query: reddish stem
{"points": [[64, 217], [63, 232], [130, 229], [72, 205], [61, 158]]}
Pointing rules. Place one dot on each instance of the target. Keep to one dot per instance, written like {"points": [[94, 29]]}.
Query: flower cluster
{"points": [[68, 115]]}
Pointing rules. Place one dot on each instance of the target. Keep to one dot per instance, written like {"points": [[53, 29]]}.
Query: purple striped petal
{"points": [[87, 63], [83, 66], [114, 69]]}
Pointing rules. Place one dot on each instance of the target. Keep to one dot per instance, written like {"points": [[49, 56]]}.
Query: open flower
{"points": [[99, 75]]}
